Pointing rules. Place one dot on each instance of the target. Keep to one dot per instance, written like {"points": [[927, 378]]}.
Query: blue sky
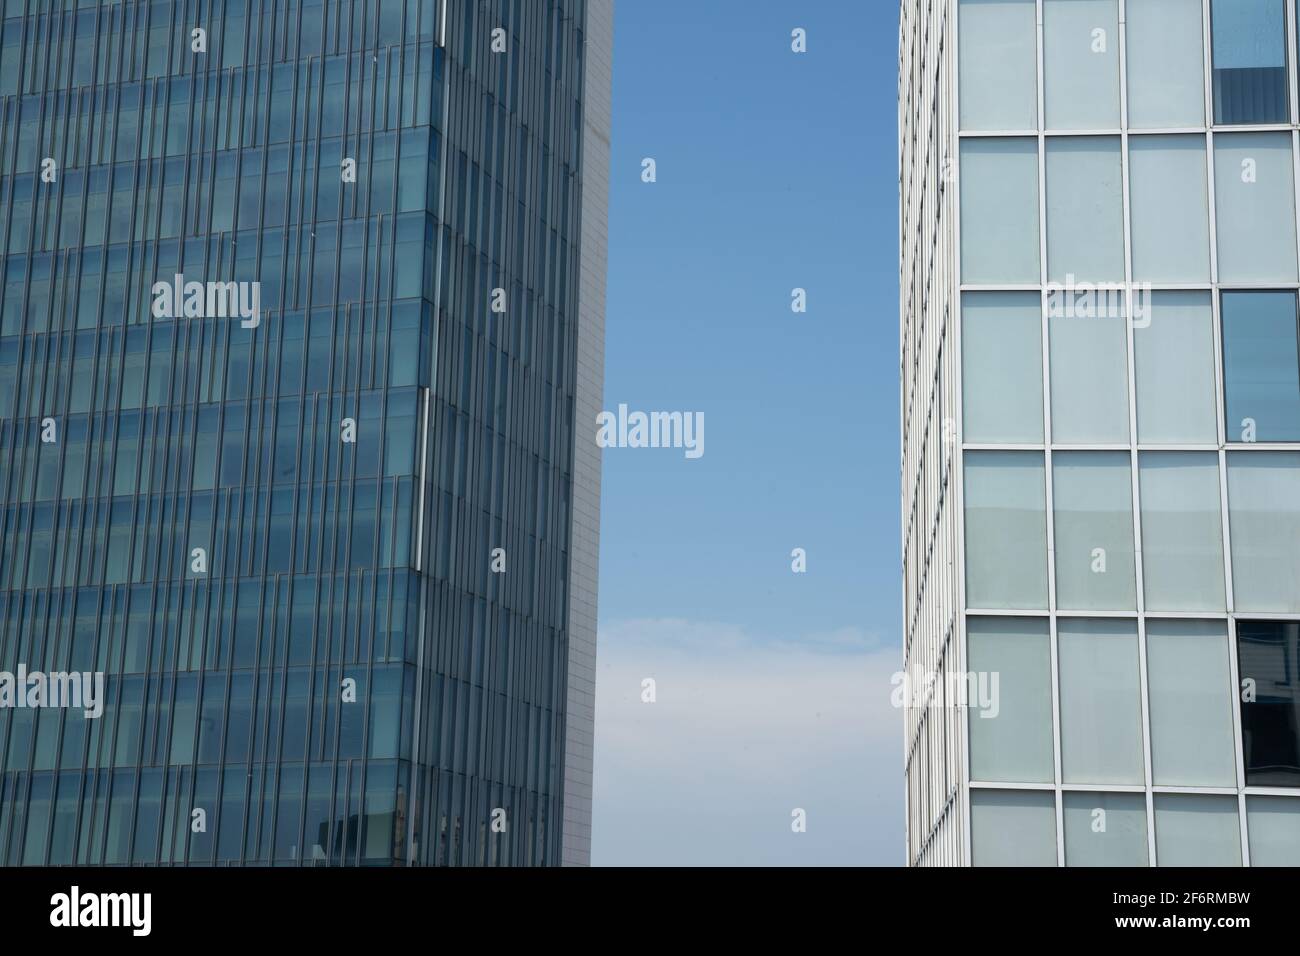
{"points": [[775, 170]]}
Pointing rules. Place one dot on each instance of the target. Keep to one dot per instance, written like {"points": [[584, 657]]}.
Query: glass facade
{"points": [[1101, 416], [320, 554]]}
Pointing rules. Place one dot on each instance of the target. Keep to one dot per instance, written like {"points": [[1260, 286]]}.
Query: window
{"points": [[1013, 828], [183, 714], [1173, 346], [1119, 840], [999, 64], [38, 821], [232, 42], [1264, 524], [1089, 362], [1274, 825], [400, 433], [241, 709], [386, 712], [1248, 44], [378, 822], [297, 710], [1011, 742], [230, 822], [1093, 504], [1081, 64], [205, 795], [382, 172], [1166, 83], [1170, 209], [1197, 830], [66, 818], [999, 211], [1182, 531], [413, 170], [1261, 366], [1085, 209], [352, 721], [1190, 704], [288, 811], [11, 56], [1101, 704], [1002, 367], [1006, 530], [1254, 200], [316, 829], [404, 355], [280, 538], [1268, 654], [121, 812]]}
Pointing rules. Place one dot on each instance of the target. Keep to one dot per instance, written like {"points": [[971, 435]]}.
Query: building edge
{"points": [[584, 537]]}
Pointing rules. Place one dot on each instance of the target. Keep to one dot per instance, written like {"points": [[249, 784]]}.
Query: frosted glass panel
{"points": [[1196, 830], [1173, 345], [1105, 829], [1264, 526], [1085, 210], [1101, 703], [1011, 742], [1006, 530], [1166, 64], [1089, 359], [1002, 367], [1093, 500], [999, 64], [1013, 828], [1081, 63], [999, 211], [1191, 704], [1169, 203], [1182, 531], [1274, 825], [1254, 200]]}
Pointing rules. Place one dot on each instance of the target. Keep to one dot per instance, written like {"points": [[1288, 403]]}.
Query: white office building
{"points": [[1100, 374]]}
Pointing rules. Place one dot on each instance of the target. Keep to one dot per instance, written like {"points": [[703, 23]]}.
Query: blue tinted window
{"points": [[1249, 47], [1261, 366]]}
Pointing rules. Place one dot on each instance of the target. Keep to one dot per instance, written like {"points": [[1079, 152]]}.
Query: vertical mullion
{"points": [[1135, 458], [1048, 497]]}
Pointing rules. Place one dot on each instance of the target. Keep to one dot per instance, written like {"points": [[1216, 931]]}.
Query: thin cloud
{"points": [[744, 730]]}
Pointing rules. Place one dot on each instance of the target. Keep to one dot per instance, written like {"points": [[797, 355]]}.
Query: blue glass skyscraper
{"points": [[301, 338]]}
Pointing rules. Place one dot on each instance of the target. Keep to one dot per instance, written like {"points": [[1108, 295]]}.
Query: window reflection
{"points": [[1248, 40]]}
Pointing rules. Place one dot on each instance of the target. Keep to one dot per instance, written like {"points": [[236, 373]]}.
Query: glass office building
{"points": [[301, 344], [1101, 431]]}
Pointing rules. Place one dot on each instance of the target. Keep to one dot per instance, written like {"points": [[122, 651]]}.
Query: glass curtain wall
{"points": [[1130, 429]]}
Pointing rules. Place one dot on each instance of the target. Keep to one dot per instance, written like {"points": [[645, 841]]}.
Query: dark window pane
{"points": [[1270, 723]]}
